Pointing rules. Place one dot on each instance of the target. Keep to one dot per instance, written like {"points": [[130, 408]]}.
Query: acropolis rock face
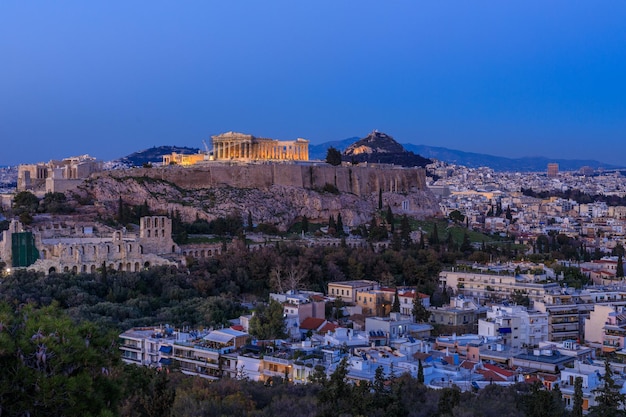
{"points": [[272, 193]]}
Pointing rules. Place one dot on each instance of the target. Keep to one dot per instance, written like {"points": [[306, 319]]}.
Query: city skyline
{"points": [[509, 80]]}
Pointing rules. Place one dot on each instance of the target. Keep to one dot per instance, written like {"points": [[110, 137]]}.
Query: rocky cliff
{"points": [[272, 193]]}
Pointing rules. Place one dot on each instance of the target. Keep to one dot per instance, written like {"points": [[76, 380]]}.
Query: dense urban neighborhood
{"points": [[512, 285]]}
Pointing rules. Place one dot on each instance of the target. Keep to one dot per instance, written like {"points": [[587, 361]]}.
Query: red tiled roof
{"points": [[531, 379], [328, 327], [311, 323], [449, 359], [468, 364], [500, 371], [548, 377], [490, 375], [238, 327], [421, 355]]}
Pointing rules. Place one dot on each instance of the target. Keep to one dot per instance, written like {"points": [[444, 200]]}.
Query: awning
{"points": [[165, 361], [504, 330], [165, 349]]}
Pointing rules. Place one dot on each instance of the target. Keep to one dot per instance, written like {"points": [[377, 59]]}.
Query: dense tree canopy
{"points": [[268, 323], [52, 366]]}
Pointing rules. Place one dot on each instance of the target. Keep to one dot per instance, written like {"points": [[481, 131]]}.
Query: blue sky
{"points": [[508, 78]]}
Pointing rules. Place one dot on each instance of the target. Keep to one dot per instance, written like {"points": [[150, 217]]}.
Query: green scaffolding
{"points": [[24, 251]]}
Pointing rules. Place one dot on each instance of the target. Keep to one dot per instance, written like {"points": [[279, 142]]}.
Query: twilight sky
{"points": [[509, 78]]}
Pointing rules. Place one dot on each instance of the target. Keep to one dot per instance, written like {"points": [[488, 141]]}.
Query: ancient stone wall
{"points": [[356, 180]]}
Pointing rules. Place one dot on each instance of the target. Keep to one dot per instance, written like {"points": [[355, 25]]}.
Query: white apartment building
{"points": [[206, 354], [518, 326], [497, 285]]}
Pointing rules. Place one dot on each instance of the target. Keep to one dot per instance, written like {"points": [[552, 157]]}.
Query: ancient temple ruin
{"points": [[239, 146]]}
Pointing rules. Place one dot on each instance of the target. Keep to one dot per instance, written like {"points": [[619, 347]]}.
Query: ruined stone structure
{"points": [[238, 146], [84, 249], [56, 176], [357, 180], [184, 159]]}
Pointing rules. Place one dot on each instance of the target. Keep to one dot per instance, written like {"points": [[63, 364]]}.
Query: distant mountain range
{"points": [[471, 159], [468, 159]]}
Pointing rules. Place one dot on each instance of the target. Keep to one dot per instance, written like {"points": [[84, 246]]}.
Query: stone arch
{"points": [[202, 253], [146, 264], [140, 249], [128, 266], [93, 269], [66, 269], [83, 269], [209, 252], [173, 248], [120, 266], [136, 266], [52, 270], [148, 232]]}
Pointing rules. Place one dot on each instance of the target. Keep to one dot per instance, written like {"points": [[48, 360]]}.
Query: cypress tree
{"points": [[434, 237], [420, 372], [389, 218], [609, 399], [405, 233], [395, 308], [577, 407], [339, 225], [466, 245], [332, 226], [619, 269]]}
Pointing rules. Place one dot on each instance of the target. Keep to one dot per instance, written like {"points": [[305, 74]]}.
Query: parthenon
{"points": [[239, 146]]}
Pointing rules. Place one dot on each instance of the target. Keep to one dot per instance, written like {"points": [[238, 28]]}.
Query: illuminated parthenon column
{"points": [[240, 146]]}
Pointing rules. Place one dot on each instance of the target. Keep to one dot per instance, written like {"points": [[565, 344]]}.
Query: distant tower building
{"points": [[553, 170]]}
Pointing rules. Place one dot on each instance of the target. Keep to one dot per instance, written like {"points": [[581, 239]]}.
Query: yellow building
{"points": [[183, 159]]}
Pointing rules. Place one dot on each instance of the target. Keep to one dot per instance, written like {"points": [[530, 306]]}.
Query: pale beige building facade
{"points": [[56, 176]]}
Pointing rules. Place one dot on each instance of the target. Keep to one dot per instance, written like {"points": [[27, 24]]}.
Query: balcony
{"points": [[278, 374], [130, 347]]}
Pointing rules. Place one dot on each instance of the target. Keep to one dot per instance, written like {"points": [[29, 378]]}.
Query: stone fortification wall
{"points": [[276, 194], [356, 180]]}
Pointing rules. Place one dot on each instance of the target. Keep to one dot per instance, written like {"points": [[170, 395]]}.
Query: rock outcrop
{"points": [[272, 193], [378, 147]]}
